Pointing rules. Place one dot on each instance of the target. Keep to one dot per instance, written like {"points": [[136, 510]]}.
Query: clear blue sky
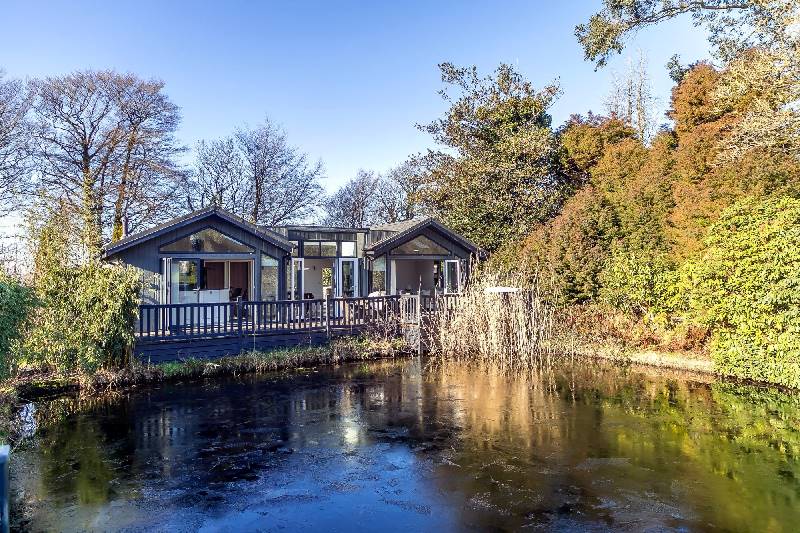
{"points": [[347, 80]]}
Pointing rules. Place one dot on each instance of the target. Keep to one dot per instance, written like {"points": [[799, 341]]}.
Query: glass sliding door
{"points": [[269, 278], [184, 279], [184, 289], [296, 287], [377, 278], [166, 269]]}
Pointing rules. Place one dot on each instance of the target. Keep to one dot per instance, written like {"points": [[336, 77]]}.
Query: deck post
{"points": [[327, 314], [419, 322], [239, 315], [5, 519]]}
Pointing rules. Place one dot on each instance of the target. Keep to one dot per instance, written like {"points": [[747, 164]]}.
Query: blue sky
{"points": [[347, 80]]}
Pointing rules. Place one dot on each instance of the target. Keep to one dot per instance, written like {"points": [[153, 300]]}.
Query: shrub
{"points": [[746, 288], [16, 302], [86, 320], [637, 282], [571, 249]]}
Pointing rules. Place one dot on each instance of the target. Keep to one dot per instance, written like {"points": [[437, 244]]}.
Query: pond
{"points": [[414, 446]]}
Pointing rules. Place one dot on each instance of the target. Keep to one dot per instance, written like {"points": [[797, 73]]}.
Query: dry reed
{"points": [[512, 328]]}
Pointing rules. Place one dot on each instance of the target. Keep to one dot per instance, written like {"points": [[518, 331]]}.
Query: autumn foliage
{"points": [[643, 215]]}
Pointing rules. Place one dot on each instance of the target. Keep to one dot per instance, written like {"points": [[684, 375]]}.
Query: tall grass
{"points": [[509, 328]]}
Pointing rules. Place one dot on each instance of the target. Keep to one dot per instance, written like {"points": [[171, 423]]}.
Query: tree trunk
{"points": [[118, 229], [257, 195], [92, 213]]}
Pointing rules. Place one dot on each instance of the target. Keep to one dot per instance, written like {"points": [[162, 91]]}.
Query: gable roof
{"points": [[408, 228], [194, 216]]}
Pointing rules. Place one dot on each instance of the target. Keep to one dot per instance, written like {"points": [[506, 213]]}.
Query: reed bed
{"points": [[513, 328]]}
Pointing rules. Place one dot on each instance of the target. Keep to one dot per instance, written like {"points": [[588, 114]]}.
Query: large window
{"points": [[319, 249], [377, 277], [327, 249], [421, 245], [213, 275], [269, 278], [209, 241]]}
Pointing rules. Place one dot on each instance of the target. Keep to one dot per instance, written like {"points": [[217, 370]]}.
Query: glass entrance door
{"points": [[452, 276], [347, 278]]}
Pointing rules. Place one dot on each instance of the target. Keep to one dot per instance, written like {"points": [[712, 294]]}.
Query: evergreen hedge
{"points": [[16, 302], [86, 318], [746, 287]]}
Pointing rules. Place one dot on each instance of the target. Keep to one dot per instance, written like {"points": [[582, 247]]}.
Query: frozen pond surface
{"points": [[406, 446]]}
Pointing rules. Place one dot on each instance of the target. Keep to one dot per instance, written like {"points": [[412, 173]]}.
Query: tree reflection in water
{"points": [[410, 444]]}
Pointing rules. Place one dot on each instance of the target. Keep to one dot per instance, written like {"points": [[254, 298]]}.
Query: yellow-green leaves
{"points": [[746, 287]]}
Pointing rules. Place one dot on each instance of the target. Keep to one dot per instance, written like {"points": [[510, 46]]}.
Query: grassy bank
{"points": [[697, 363], [34, 384]]}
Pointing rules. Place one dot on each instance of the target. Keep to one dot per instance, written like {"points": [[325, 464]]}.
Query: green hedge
{"points": [[16, 302], [746, 287], [86, 319], [637, 282]]}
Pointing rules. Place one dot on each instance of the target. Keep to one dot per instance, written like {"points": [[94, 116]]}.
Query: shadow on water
{"points": [[406, 445]]}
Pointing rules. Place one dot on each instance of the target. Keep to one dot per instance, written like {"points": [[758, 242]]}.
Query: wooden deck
{"points": [[173, 331]]}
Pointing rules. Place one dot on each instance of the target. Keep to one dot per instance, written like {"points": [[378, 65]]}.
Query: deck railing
{"points": [[230, 319]]}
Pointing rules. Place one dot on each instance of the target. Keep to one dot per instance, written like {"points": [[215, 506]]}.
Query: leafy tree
{"points": [[606, 31], [571, 249], [16, 303], [102, 299], [705, 182], [637, 281], [621, 209], [584, 141], [756, 40], [497, 177]]}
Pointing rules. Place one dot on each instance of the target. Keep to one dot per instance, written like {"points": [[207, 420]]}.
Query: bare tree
{"points": [[256, 174], [104, 143], [14, 142], [219, 177], [77, 133], [397, 192], [632, 100], [284, 186], [148, 173], [354, 204]]}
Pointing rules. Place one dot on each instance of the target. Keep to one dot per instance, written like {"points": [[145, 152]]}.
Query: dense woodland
{"points": [[678, 232]]}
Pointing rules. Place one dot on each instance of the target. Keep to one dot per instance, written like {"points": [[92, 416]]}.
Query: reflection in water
{"points": [[407, 446]]}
